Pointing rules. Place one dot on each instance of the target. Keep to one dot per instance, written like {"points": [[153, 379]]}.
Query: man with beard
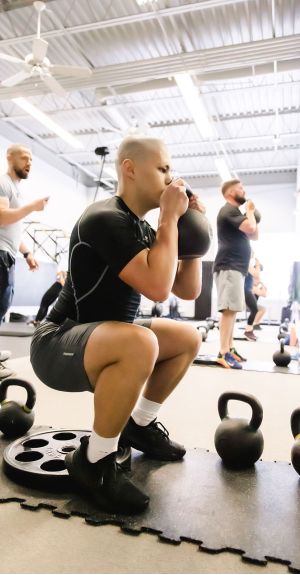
{"points": [[19, 161], [231, 265]]}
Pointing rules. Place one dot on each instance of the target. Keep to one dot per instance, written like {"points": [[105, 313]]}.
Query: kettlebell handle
{"points": [[281, 345], [295, 422], [257, 410], [31, 395], [188, 190]]}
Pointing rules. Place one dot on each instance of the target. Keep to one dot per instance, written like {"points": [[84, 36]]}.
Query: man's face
{"points": [[20, 162], [238, 194], [153, 173]]}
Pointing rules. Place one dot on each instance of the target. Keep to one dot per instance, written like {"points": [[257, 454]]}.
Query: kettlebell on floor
{"points": [[238, 442], [16, 419], [295, 427]]}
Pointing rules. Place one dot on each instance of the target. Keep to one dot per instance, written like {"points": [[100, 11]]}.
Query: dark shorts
{"points": [[57, 353]]}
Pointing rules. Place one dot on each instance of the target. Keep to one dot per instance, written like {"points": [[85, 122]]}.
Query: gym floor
{"points": [[38, 542]]}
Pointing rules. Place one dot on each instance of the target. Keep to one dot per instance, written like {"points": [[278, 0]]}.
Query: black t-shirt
{"points": [[104, 240], [233, 245]]}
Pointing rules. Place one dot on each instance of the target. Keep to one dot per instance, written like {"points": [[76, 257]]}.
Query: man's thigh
{"points": [[111, 342], [174, 337]]}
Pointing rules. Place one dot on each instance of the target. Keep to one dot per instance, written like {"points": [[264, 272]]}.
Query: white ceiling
{"points": [[244, 56]]}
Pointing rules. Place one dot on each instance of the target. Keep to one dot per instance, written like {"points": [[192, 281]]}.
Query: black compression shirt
{"points": [[233, 245], [103, 241]]}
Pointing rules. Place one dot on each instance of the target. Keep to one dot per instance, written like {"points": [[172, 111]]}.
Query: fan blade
{"points": [[39, 49], [16, 79], [11, 58], [78, 71], [53, 85]]}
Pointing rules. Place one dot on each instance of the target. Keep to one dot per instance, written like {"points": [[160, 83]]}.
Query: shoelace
{"points": [[162, 430]]}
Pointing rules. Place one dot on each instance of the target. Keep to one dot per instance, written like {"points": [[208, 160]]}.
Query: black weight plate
{"points": [[38, 460]]}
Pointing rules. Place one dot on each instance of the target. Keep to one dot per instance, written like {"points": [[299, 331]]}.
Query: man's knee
{"points": [[192, 339], [144, 344]]}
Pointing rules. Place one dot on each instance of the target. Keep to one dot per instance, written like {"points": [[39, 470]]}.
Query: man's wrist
{"points": [[26, 254]]}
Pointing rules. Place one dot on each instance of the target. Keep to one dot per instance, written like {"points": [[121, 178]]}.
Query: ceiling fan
{"points": [[37, 64]]}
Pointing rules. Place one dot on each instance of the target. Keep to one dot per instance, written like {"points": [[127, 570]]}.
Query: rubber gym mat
{"points": [[255, 513], [263, 366], [16, 329]]}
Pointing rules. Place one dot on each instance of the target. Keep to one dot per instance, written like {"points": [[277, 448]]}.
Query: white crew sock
{"points": [[145, 411], [100, 447]]}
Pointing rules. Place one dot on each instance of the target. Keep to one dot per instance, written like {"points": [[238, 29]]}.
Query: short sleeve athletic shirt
{"points": [[104, 240], [233, 245]]}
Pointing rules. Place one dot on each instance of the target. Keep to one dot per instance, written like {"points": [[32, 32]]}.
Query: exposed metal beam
{"points": [[213, 59], [122, 21], [255, 179]]}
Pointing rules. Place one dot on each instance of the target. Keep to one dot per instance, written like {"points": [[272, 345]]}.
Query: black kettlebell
{"points": [[203, 329], [295, 427], [257, 215], [194, 233], [238, 442], [210, 322], [284, 327], [16, 419], [281, 358]]}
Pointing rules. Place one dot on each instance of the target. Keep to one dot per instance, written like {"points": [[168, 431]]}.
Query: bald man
{"points": [[11, 214], [91, 340]]}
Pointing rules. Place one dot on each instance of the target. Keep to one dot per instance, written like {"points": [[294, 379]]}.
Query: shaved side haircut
{"points": [[134, 148]]}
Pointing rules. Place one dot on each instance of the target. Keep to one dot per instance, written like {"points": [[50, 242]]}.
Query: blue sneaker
{"points": [[227, 360]]}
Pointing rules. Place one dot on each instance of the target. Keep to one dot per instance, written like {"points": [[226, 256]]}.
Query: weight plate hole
{"points": [[64, 436], [29, 456], [53, 465], [68, 448], [35, 443]]}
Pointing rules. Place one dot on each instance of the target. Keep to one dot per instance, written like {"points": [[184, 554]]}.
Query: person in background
{"points": [[252, 283], [173, 307], [231, 265], [259, 290], [19, 160], [49, 297]]}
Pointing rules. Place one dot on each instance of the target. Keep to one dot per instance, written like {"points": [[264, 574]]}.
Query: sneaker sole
{"points": [[223, 363]]}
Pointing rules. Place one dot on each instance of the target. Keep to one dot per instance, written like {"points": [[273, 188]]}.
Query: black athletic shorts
{"points": [[57, 353]]}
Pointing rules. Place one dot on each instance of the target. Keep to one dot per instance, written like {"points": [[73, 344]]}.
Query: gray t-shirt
{"points": [[10, 235]]}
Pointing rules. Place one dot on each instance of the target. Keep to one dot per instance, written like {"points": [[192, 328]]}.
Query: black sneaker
{"points": [[152, 439], [257, 327], [104, 482]]}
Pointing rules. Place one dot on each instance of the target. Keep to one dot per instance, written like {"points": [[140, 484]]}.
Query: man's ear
{"points": [[128, 169]]}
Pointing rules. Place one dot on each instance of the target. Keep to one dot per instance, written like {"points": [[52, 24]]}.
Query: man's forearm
{"points": [[188, 281], [163, 255], [13, 215]]}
